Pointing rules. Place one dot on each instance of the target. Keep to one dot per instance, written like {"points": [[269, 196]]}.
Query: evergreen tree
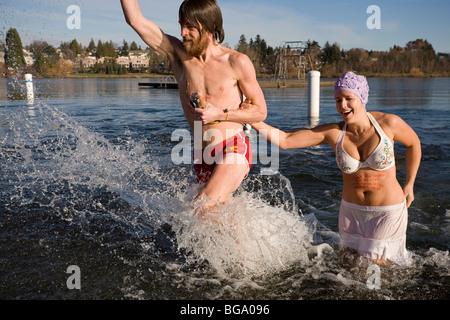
{"points": [[124, 50], [242, 45], [100, 49], [14, 59], [75, 47], [133, 46], [331, 53], [91, 46], [44, 56], [106, 49]]}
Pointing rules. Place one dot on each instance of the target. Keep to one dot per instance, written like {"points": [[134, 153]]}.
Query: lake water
{"points": [[88, 180]]}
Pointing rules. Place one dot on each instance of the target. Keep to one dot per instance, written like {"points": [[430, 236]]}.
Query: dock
{"points": [[165, 83], [171, 83]]}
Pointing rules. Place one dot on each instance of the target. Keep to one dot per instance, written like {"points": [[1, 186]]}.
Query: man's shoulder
{"points": [[236, 57]]}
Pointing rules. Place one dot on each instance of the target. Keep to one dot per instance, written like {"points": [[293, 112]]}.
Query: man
{"points": [[221, 77]]}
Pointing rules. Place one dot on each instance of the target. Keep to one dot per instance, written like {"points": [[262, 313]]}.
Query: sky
{"points": [[346, 22]]}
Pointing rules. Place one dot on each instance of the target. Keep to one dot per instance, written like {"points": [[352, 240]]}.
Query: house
{"points": [[123, 61], [139, 63], [88, 62], [28, 55]]}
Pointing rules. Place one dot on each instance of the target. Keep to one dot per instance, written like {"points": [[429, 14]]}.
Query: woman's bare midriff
{"points": [[368, 187]]}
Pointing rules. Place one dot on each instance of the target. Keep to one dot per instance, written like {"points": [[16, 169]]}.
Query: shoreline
{"points": [[264, 82]]}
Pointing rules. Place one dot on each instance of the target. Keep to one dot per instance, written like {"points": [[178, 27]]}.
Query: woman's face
{"points": [[349, 105]]}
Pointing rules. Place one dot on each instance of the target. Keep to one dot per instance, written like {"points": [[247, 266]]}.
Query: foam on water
{"points": [[251, 238]]}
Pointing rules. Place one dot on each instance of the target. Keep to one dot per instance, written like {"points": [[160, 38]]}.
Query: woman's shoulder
{"points": [[387, 119], [390, 123]]}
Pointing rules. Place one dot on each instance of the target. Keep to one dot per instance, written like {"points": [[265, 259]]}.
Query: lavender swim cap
{"points": [[355, 84]]}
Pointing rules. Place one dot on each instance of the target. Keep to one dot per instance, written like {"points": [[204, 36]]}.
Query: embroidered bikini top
{"points": [[382, 158]]}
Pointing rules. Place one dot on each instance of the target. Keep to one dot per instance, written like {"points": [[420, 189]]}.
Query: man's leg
{"points": [[225, 179]]}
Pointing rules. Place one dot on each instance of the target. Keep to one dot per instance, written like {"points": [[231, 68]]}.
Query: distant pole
{"points": [[314, 94], [29, 85]]}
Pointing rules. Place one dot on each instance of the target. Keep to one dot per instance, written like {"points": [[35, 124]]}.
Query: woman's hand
{"points": [[409, 194]]}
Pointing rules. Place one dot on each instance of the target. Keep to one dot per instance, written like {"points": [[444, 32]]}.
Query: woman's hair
{"points": [[206, 13]]}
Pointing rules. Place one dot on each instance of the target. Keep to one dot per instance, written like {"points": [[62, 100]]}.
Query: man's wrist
{"points": [[227, 114]]}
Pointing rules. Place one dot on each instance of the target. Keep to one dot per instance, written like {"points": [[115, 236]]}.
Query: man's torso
{"points": [[216, 81]]}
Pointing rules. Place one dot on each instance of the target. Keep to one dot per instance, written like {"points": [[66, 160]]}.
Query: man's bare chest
{"points": [[213, 80]]}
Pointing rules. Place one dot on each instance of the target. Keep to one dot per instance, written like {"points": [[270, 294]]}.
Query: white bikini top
{"points": [[382, 158]]}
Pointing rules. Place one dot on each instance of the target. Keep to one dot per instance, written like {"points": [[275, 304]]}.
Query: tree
{"points": [[14, 59], [133, 46], [91, 46], [260, 46], [313, 52], [357, 59], [332, 60], [421, 55], [100, 49], [2, 64], [62, 68], [125, 49], [75, 47], [331, 53], [106, 49], [242, 45], [44, 56], [122, 70]]}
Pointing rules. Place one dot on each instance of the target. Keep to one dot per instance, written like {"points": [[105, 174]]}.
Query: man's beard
{"points": [[195, 47]]}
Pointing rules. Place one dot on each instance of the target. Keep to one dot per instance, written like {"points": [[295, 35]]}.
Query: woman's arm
{"points": [[298, 139], [404, 134]]}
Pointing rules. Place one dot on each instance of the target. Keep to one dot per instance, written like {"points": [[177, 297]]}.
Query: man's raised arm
{"points": [[147, 30]]}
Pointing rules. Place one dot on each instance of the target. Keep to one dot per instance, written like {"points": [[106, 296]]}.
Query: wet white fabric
{"points": [[375, 232]]}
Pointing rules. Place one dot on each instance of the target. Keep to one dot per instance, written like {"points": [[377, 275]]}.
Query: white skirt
{"points": [[375, 232]]}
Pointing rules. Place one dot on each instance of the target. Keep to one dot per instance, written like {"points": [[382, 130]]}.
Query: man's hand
{"points": [[210, 114]]}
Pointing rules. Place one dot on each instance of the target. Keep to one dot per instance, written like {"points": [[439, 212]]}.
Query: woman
{"points": [[373, 213]]}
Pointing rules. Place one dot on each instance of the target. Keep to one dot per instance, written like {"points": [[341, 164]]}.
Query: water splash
{"points": [[252, 238], [53, 161]]}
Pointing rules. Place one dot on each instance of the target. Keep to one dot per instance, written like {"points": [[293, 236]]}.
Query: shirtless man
{"points": [[222, 77]]}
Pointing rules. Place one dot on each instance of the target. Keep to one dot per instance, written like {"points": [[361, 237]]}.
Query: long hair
{"points": [[204, 12]]}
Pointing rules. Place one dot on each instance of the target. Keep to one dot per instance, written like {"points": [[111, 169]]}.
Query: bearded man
{"points": [[218, 77]]}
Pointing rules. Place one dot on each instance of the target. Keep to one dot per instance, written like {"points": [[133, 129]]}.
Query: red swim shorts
{"points": [[211, 156]]}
